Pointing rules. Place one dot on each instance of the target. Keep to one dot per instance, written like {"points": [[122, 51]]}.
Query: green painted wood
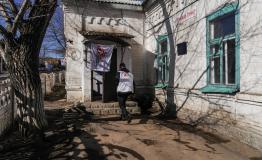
{"points": [[224, 10], [160, 57], [232, 7], [237, 21], [219, 89], [161, 85]]}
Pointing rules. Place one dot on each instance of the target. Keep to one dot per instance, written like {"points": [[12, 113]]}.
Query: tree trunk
{"points": [[21, 37], [26, 82]]}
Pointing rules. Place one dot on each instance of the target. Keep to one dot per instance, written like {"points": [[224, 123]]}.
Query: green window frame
{"points": [[162, 61], [223, 50]]}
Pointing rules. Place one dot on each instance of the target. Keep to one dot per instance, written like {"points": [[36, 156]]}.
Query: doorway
{"points": [[104, 84]]}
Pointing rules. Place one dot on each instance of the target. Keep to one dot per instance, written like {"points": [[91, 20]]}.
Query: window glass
{"points": [[214, 49], [222, 26], [163, 45], [215, 70], [222, 51], [215, 64], [162, 60], [229, 62]]}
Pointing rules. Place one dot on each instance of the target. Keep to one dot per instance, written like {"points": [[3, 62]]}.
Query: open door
{"points": [[109, 81], [96, 85]]}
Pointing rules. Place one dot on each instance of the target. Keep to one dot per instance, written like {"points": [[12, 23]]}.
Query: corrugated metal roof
{"points": [[130, 2]]}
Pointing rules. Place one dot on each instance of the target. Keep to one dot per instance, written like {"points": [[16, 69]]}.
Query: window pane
{"points": [[162, 61], [231, 61], [222, 26], [163, 45], [164, 72], [215, 64], [163, 69], [215, 70], [214, 49]]}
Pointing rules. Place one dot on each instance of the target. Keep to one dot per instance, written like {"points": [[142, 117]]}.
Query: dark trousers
{"points": [[122, 97]]}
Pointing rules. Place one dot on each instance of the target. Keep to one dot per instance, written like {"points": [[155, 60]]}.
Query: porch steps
{"points": [[112, 108]]}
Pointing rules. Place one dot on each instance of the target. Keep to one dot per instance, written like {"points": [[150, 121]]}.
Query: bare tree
{"points": [[54, 41], [23, 26]]}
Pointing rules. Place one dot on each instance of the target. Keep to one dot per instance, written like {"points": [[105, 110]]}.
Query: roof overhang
{"points": [[129, 2], [115, 4], [114, 37]]}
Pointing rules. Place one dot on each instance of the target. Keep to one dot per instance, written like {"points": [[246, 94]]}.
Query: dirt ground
{"points": [[74, 134]]}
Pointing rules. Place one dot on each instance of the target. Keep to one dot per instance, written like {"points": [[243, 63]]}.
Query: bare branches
{"points": [[13, 7], [30, 18], [19, 15], [3, 31], [6, 16]]}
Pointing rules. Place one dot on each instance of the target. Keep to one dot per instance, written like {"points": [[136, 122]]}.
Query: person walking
{"points": [[125, 87]]}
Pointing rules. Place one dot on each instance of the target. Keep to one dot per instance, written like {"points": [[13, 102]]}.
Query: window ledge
{"points": [[161, 85], [219, 89]]}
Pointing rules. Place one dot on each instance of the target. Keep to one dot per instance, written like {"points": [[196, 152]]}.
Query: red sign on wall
{"points": [[186, 16]]}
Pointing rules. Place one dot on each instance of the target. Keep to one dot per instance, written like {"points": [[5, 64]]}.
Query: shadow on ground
{"points": [[68, 137]]}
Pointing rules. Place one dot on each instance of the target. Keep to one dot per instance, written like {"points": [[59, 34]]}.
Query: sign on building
{"points": [[101, 57]]}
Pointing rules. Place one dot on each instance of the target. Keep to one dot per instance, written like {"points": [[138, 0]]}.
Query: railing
{"points": [[7, 109]]}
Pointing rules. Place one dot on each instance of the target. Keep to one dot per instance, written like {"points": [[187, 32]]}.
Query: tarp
{"points": [[101, 57]]}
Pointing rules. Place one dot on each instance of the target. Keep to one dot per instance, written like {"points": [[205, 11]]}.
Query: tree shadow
{"points": [[68, 137], [179, 126], [255, 158]]}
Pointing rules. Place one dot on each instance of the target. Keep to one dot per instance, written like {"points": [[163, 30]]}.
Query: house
{"points": [[207, 53], [119, 23]]}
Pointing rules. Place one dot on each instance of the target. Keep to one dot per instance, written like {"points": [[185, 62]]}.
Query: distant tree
{"points": [[23, 27]]}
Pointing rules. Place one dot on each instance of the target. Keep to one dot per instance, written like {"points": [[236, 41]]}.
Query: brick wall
{"points": [[7, 108]]}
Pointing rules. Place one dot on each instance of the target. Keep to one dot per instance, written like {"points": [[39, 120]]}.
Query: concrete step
{"points": [[99, 108], [113, 111]]}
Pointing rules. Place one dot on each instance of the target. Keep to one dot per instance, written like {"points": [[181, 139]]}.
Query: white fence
{"points": [[7, 104], [7, 107], [49, 80]]}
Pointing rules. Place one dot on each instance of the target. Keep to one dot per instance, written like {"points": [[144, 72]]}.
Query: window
{"points": [[223, 51], [162, 61]]}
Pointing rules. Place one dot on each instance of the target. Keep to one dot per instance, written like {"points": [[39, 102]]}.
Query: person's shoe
{"points": [[123, 118], [129, 118]]}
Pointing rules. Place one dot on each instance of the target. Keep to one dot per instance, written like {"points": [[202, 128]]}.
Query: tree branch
{"points": [[13, 7], [19, 15], [43, 14], [5, 14], [3, 32]]}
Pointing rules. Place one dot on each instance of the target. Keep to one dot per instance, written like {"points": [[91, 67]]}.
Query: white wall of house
{"points": [[238, 115], [83, 16]]}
